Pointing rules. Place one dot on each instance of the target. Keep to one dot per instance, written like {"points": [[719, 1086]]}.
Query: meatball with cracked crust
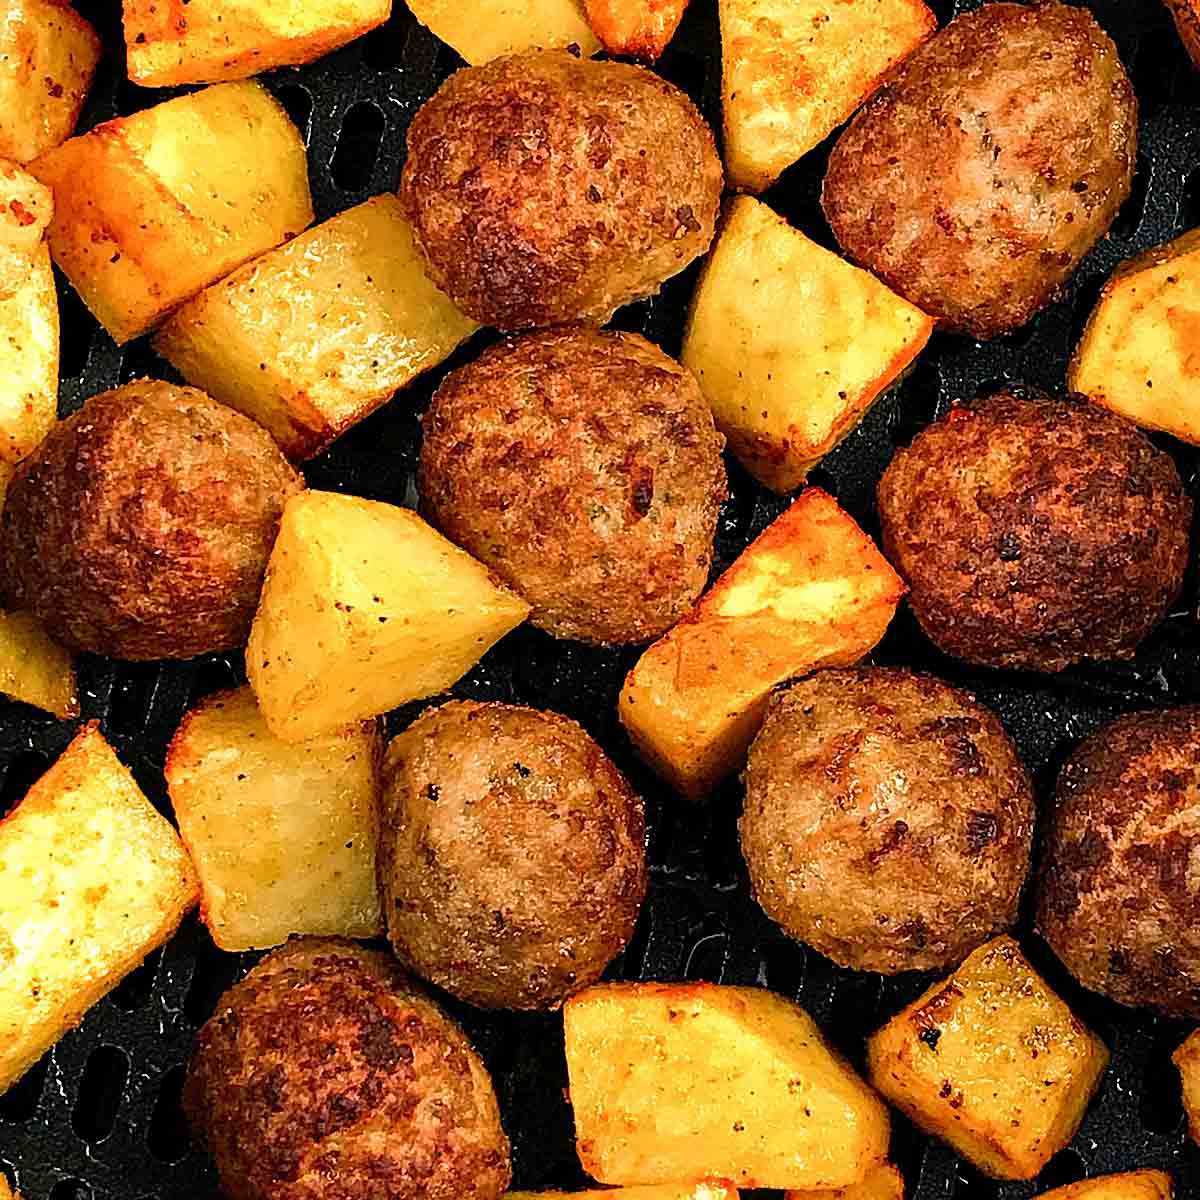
{"points": [[141, 526], [1119, 890], [888, 819], [512, 854], [1034, 532], [326, 1074], [977, 178], [584, 469], [545, 188]]}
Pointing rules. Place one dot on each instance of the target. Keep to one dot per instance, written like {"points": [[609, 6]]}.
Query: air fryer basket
{"points": [[99, 1119]]}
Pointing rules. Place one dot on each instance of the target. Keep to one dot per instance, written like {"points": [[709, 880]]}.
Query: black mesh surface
{"points": [[99, 1119]]}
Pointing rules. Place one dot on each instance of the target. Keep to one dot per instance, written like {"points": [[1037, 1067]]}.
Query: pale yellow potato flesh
{"points": [[312, 337], [34, 668], [309, 867], [1187, 1060], [29, 346], [991, 1061], [1132, 1185], [677, 1081], [486, 29], [705, 1190], [791, 345], [883, 1182], [92, 879], [366, 607]]}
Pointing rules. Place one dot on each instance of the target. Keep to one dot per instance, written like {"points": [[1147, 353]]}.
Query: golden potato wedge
{"points": [[1187, 1060], [487, 29], [6, 1192], [794, 70], [364, 608], [48, 55], [211, 41], [883, 1182], [310, 866], [312, 337], [708, 1189], [678, 1081], [34, 668], [26, 206], [811, 591], [635, 28], [1186, 14], [790, 344], [91, 880], [1132, 1185], [1140, 352], [991, 1061], [177, 196]]}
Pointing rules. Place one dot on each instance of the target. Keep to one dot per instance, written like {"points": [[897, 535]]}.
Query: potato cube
{"points": [[1187, 20], [1133, 1185], [1187, 1059], [487, 29], [310, 866], [364, 608], [991, 1061], [883, 1182], [635, 28], [215, 40], [26, 207], [91, 880], [709, 1189], [791, 345], [811, 591], [48, 55], [1140, 352], [177, 196], [34, 668], [7, 1193], [315, 335], [679, 1081], [794, 70]]}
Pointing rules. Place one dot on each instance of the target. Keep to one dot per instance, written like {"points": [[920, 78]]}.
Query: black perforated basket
{"points": [[99, 1116]]}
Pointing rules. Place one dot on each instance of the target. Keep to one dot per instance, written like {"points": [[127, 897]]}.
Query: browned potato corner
{"points": [[635, 28], [1132, 1185]]}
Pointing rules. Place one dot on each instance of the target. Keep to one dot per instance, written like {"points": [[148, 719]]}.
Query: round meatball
{"points": [[326, 1075], [141, 526], [975, 180], [584, 468], [1034, 532], [512, 854], [546, 188], [887, 820], [1118, 895]]}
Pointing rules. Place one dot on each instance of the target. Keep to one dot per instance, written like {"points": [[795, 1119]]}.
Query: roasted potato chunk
{"points": [[811, 591], [635, 28], [312, 337], [1187, 1060], [365, 607], [310, 865], [91, 880], [1186, 14], [34, 668], [991, 1061], [488, 29], [178, 196], [233, 39], [883, 1182], [48, 55], [706, 1190], [791, 344], [677, 1081], [1133, 1185]]}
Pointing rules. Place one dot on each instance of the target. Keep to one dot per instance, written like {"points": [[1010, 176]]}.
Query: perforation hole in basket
{"points": [[1133, 211], [21, 1100], [76, 329], [298, 104], [709, 953], [215, 974], [135, 990], [101, 1087], [383, 48], [167, 1137], [1160, 1105], [23, 771], [1156, 66], [70, 1189], [784, 966], [357, 147], [1067, 1166]]}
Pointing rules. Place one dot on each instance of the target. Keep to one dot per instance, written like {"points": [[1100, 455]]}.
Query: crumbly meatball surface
{"points": [[512, 861], [546, 188], [141, 527], [325, 1075], [1034, 532], [585, 470], [975, 180], [1119, 889], [888, 819]]}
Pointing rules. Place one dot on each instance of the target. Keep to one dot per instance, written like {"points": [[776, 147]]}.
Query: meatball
{"points": [[546, 188], [512, 857], [141, 526], [1118, 896], [325, 1075], [887, 820], [1034, 532], [978, 177], [585, 470]]}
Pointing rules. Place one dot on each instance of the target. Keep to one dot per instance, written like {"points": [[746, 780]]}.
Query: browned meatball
{"points": [[887, 821], [978, 177], [546, 188], [141, 526], [512, 856], [1034, 532], [326, 1075], [1119, 890], [584, 468]]}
